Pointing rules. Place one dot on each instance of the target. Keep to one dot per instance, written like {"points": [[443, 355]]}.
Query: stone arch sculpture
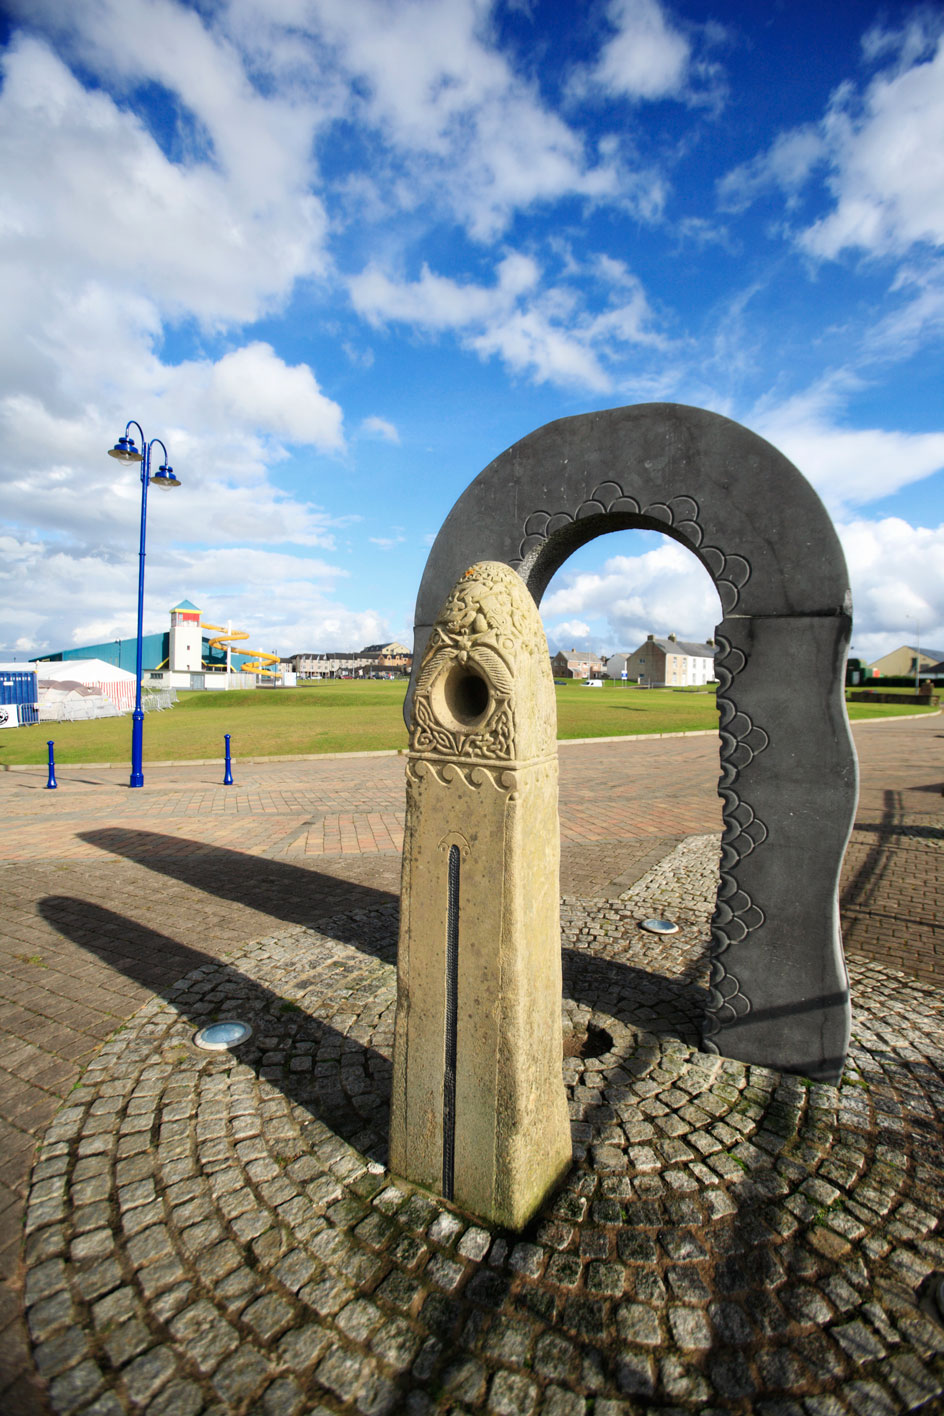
{"points": [[779, 993]]}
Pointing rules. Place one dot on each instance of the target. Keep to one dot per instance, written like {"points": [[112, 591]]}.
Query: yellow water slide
{"points": [[256, 664]]}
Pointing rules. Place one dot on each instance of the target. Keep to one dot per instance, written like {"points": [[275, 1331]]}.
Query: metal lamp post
{"points": [[126, 451], [917, 649]]}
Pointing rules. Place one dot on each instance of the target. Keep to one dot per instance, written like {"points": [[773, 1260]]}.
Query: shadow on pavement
{"points": [[873, 868], [291, 893], [279, 1025], [661, 1004]]}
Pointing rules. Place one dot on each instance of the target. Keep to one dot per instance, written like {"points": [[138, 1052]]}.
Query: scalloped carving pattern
{"points": [[735, 914], [730, 573], [501, 778]]}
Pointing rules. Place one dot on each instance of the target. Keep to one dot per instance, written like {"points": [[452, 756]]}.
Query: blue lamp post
{"points": [[126, 451]]}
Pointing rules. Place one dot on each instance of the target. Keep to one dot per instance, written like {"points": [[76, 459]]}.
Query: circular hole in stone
{"points": [[595, 1042], [930, 1296], [465, 695]]}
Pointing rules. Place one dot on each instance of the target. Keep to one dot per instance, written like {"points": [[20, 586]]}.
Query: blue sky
{"points": [[339, 254]]}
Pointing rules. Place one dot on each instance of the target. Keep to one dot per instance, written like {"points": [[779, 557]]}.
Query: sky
{"points": [[339, 254]]}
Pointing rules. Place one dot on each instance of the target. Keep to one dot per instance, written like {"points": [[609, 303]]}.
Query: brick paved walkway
{"points": [[109, 893]]}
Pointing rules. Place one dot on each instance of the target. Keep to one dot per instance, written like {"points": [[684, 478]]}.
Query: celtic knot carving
{"points": [[489, 627], [729, 572], [429, 735], [736, 914]]}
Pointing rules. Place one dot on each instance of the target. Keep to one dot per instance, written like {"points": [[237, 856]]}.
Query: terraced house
{"points": [[673, 662]]}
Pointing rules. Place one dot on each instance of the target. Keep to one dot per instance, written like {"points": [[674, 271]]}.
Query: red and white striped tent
{"points": [[113, 683]]}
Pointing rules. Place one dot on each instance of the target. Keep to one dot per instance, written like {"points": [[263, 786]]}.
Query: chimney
{"points": [[650, 636], [673, 637]]}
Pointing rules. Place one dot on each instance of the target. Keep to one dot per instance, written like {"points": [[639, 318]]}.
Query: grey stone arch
{"points": [[779, 993]]}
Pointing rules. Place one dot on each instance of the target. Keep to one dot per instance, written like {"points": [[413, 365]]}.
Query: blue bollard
{"points": [[228, 774], [51, 784]]}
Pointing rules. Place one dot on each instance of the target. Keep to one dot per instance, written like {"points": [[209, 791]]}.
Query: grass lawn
{"points": [[616, 710], [350, 716]]}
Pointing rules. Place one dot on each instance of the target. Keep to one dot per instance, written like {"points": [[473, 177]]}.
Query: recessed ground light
{"points": [[659, 926], [219, 1036]]}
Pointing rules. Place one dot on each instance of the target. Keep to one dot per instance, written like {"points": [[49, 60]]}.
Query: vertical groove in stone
{"points": [[452, 1015]]}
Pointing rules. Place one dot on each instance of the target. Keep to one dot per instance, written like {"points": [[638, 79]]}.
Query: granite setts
{"points": [[217, 1233]]}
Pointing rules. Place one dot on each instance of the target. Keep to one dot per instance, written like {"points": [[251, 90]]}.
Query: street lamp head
{"points": [[125, 450], [164, 477]]}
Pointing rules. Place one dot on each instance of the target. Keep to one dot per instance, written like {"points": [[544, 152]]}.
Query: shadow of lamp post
{"points": [[126, 451]]}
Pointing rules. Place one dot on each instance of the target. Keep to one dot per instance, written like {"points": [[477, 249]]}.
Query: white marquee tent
{"points": [[117, 685]]}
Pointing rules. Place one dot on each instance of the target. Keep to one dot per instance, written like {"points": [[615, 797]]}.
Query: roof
{"points": [[186, 605], [683, 646], [925, 653], [81, 671]]}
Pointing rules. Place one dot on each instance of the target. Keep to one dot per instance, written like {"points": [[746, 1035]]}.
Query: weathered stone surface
{"points": [[760, 530], [780, 994], [479, 1112]]}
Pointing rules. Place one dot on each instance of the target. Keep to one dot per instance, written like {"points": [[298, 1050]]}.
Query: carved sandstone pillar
{"points": [[779, 992], [479, 1112]]}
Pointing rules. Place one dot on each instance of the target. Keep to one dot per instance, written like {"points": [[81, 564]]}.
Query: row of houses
{"points": [[392, 658], [681, 663], [671, 661]]}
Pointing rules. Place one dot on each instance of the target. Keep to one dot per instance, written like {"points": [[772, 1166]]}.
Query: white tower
{"points": [[186, 641]]}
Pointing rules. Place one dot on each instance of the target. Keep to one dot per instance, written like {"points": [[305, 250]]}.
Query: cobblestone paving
{"points": [[893, 896], [217, 1232]]}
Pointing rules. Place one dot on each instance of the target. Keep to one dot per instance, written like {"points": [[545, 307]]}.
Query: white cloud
{"points": [[254, 387], [461, 127], [847, 466], [887, 158], [437, 302], [549, 333], [286, 603], [897, 573], [787, 164], [381, 428], [647, 57], [662, 590], [90, 196], [882, 152], [570, 631], [104, 239], [58, 480], [916, 319]]}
